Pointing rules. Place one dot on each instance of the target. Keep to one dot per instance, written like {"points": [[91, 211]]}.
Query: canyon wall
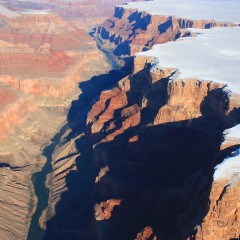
{"points": [[141, 163], [131, 31], [43, 58], [139, 157], [83, 14], [145, 162]]}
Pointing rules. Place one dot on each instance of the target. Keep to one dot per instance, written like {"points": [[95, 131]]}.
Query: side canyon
{"points": [[142, 149], [44, 55], [143, 159]]}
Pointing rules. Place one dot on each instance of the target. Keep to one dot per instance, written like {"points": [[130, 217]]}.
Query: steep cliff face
{"points": [[222, 220], [141, 165], [181, 116], [155, 143], [140, 160], [43, 58], [131, 31], [84, 14]]}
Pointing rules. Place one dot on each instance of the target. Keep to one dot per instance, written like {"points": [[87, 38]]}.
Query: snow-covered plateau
{"points": [[213, 54], [221, 10]]}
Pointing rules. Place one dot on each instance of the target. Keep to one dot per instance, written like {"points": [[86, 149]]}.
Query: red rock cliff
{"points": [[155, 143]]}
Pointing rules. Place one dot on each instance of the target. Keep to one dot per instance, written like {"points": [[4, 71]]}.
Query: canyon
{"points": [[149, 140], [154, 140], [43, 58]]}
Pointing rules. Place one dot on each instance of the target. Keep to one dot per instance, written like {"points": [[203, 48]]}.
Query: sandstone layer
{"points": [[83, 14], [43, 58], [140, 157], [141, 163], [131, 31], [147, 144]]}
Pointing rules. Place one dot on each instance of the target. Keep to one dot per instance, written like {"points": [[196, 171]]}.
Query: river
{"points": [[38, 179]]}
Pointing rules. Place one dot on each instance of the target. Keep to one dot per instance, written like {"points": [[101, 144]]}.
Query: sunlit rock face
{"points": [[141, 166], [158, 149], [43, 58], [151, 156], [131, 30], [83, 13]]}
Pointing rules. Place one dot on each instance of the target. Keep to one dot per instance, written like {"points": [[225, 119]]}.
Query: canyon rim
{"points": [[119, 121]]}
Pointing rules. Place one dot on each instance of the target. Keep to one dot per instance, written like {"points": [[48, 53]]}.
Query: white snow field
{"points": [[233, 132], [214, 54], [229, 169], [221, 10]]}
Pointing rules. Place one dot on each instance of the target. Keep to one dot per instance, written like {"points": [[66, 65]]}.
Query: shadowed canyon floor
{"points": [[43, 57], [138, 160]]}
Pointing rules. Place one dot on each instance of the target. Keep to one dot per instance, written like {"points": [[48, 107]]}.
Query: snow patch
{"points": [[233, 132], [212, 55], [221, 10], [229, 169]]}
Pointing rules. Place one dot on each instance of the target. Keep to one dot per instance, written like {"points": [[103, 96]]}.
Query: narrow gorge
{"points": [[119, 122]]}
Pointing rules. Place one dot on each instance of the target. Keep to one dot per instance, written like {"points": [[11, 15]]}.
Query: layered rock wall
{"points": [[43, 59], [153, 136], [131, 31]]}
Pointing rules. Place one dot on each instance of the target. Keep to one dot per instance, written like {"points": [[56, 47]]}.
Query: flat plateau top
{"points": [[212, 55], [221, 10]]}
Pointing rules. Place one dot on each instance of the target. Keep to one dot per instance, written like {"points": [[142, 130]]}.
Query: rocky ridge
{"points": [[137, 154], [39, 74], [149, 148], [133, 129], [131, 31]]}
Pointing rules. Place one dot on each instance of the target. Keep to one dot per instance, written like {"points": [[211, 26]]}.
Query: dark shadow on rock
{"points": [[166, 25], [123, 49], [78, 200], [139, 20], [91, 90], [163, 178]]}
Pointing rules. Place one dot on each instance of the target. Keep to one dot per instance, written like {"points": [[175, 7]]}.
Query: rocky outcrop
{"points": [[139, 161], [222, 220], [146, 233], [131, 31], [104, 209], [141, 132], [43, 59], [142, 167]]}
